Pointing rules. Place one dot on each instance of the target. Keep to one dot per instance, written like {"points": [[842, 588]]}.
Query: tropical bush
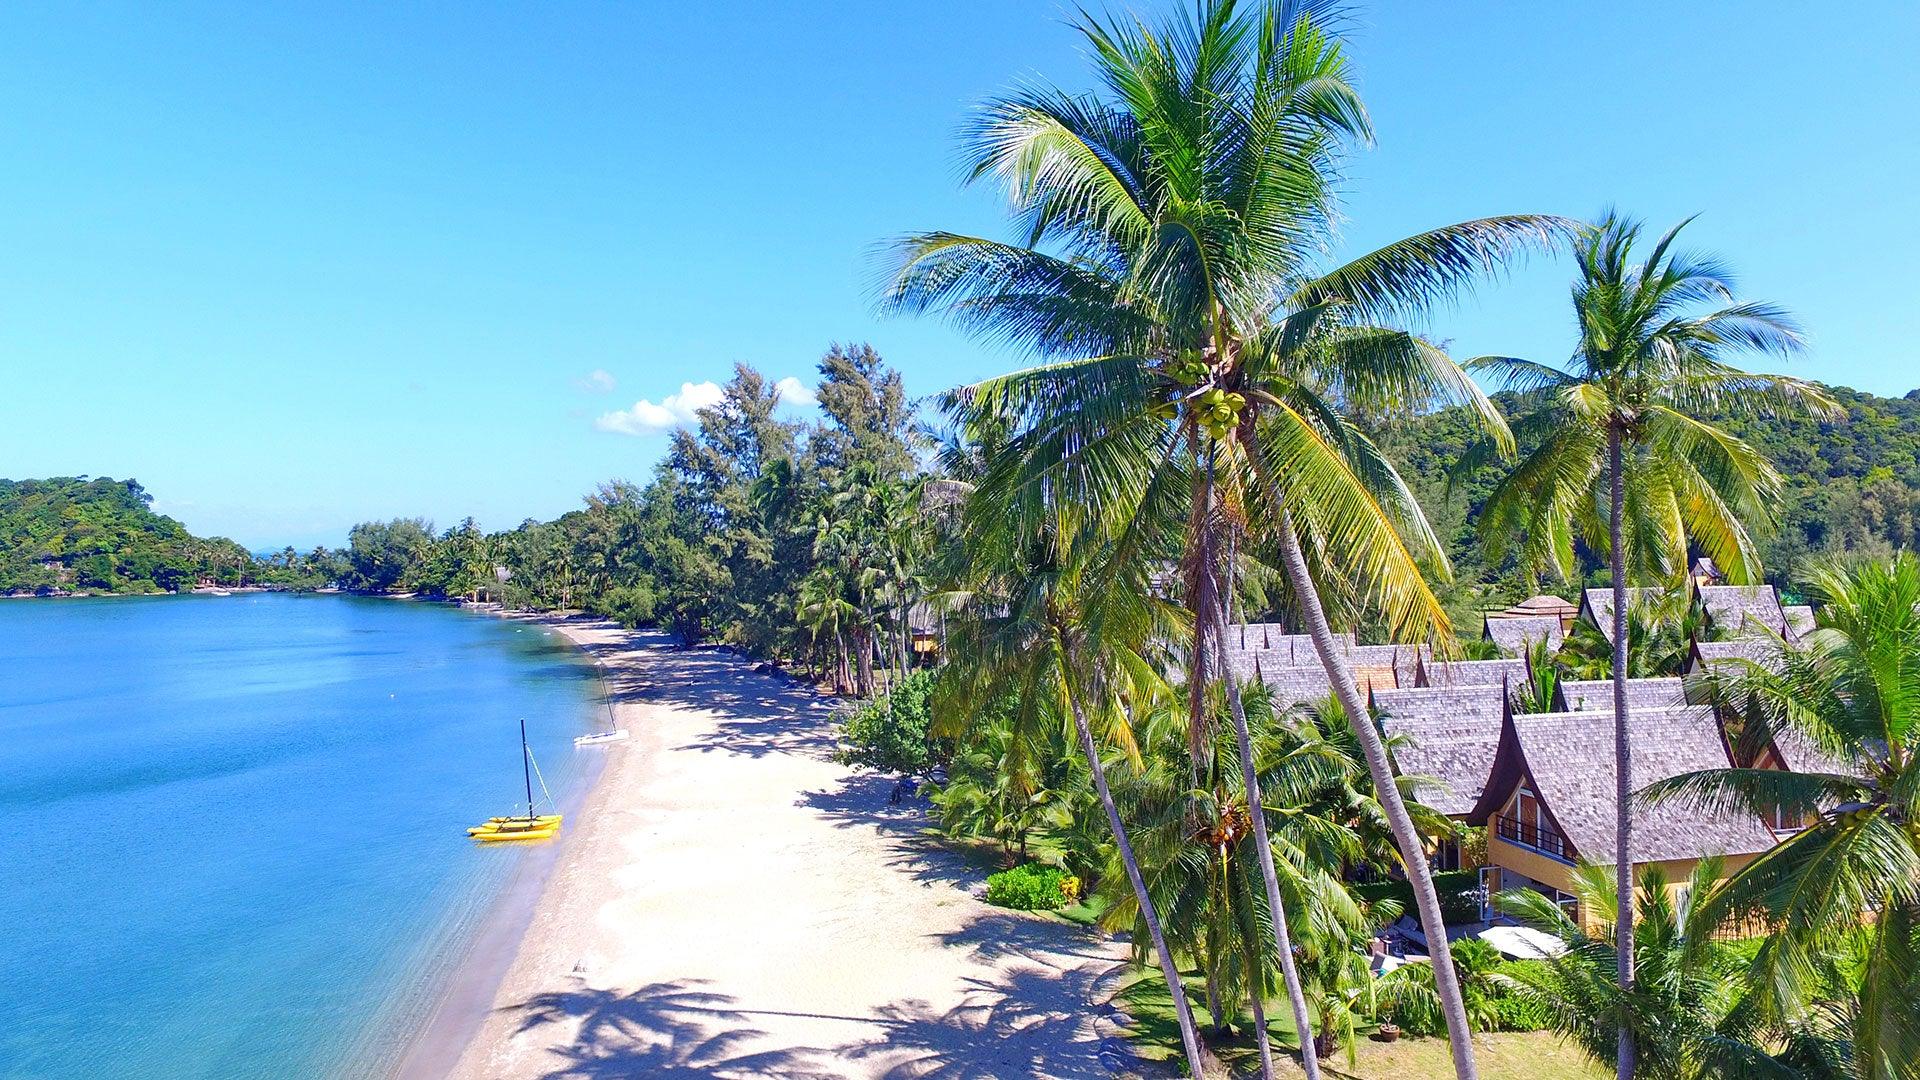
{"points": [[889, 733], [1033, 887], [1459, 892]]}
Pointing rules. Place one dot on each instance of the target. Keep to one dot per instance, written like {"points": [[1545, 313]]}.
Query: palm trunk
{"points": [[1215, 1011], [1622, 752], [1256, 810], [1183, 1011], [1211, 620], [1260, 1034], [1412, 854]]}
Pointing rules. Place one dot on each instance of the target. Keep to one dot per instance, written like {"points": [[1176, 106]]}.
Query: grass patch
{"points": [[1501, 1055]]}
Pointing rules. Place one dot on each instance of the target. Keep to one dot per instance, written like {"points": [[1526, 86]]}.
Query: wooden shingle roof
{"points": [[1583, 695], [1516, 633], [1597, 606], [1452, 732], [1740, 609], [1473, 672], [1706, 655], [1800, 620], [1568, 757]]}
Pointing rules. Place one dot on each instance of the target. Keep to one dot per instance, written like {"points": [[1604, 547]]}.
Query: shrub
{"points": [[889, 733], [1522, 1012], [1459, 892], [1033, 887]]}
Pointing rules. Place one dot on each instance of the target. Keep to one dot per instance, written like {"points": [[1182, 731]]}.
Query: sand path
{"points": [[733, 903]]}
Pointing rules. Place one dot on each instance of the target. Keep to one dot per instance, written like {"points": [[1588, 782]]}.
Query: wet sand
{"points": [[730, 902]]}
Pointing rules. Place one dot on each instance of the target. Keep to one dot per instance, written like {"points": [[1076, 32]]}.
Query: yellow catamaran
{"points": [[532, 826]]}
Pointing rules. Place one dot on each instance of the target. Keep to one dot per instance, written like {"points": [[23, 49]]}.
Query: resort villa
{"points": [[1542, 783]]}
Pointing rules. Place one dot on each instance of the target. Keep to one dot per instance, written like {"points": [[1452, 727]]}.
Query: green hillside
{"points": [[1851, 486], [74, 534]]}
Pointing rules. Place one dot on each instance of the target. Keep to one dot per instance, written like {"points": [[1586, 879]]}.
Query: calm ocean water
{"points": [[236, 844]]}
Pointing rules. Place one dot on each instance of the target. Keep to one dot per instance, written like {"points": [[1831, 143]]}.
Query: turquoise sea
{"points": [[236, 843]]}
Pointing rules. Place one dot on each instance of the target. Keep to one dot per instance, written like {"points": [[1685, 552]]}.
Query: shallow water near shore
{"points": [[241, 848]]}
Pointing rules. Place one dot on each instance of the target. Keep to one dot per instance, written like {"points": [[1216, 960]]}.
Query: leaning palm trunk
{"points": [[1257, 812], [1413, 855], [1622, 751], [1189, 1036]]}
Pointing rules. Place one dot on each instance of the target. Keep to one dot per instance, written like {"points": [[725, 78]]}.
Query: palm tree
{"points": [[1686, 1009], [1661, 627], [1625, 460], [1172, 226], [1054, 622], [1848, 694], [1198, 855]]}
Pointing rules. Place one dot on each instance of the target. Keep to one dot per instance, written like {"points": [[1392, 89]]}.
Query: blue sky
{"points": [[299, 266]]}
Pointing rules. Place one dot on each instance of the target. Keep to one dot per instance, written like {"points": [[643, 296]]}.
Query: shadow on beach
{"points": [[1019, 1026], [1035, 1011]]}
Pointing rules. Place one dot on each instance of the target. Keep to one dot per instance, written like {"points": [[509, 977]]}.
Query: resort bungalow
{"points": [[1596, 695], [1446, 740], [1507, 672], [1548, 803], [1596, 606], [1734, 610], [1539, 618]]}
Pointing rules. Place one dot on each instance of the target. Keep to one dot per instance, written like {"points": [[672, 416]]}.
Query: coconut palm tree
{"points": [[1168, 278], [1687, 1008], [1198, 856], [1047, 618], [1849, 694], [1624, 459]]}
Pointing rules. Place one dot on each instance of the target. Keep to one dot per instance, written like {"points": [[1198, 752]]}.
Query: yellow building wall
{"points": [[1558, 875]]}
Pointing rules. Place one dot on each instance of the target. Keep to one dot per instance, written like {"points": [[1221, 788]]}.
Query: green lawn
{"points": [[1501, 1055]]}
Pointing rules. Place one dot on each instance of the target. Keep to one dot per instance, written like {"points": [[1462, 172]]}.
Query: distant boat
{"points": [[614, 733], [221, 592], [531, 827]]}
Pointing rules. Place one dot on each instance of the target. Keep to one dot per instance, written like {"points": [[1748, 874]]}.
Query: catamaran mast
{"points": [[526, 767]]}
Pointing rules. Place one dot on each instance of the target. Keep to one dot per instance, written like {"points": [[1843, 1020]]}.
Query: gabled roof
{"points": [[1298, 684], [1739, 609], [1516, 633], [1273, 637], [1596, 606], [1567, 760], [1452, 732], [1708, 654], [1473, 672], [1596, 695], [1800, 620]]}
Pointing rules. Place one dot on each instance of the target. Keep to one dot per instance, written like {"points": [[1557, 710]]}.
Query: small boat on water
{"points": [[601, 737], [531, 825], [517, 832], [496, 824]]}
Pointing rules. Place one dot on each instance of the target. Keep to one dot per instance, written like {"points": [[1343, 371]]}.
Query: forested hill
{"points": [[74, 534], [1852, 486]]}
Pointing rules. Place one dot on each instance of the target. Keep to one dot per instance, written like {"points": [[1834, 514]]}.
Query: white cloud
{"points": [[646, 418], [597, 381], [795, 392]]}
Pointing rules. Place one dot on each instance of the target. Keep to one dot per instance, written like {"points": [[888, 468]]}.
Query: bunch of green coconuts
{"points": [[1216, 409]]}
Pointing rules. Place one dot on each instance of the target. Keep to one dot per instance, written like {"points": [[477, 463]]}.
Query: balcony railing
{"points": [[1546, 841]]}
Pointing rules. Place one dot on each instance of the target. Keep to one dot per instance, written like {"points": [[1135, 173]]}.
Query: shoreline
{"points": [[731, 901], [464, 998]]}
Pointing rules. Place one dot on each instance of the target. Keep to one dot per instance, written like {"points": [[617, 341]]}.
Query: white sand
{"points": [[731, 902]]}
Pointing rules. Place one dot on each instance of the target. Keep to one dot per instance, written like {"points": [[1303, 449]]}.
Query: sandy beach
{"points": [[731, 902]]}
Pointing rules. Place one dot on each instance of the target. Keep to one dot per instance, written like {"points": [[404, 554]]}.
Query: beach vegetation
{"points": [[1033, 887], [891, 732]]}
